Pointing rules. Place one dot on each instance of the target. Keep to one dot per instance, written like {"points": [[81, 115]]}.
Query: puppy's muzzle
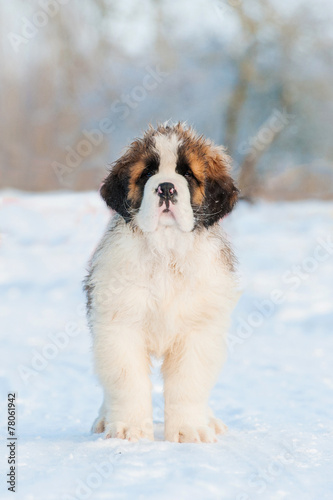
{"points": [[167, 192]]}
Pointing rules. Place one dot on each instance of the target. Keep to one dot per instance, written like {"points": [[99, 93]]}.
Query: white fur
{"points": [[169, 293], [150, 215]]}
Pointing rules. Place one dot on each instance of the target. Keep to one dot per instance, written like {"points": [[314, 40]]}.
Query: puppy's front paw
{"points": [[190, 434], [99, 425], [218, 426], [132, 432]]}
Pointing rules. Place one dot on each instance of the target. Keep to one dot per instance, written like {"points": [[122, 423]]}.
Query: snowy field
{"points": [[275, 392]]}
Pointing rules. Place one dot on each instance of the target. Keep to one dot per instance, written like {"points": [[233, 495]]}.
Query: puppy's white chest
{"points": [[170, 299], [162, 285], [179, 297]]}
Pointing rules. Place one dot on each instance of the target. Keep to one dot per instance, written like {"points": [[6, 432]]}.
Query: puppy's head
{"points": [[171, 177]]}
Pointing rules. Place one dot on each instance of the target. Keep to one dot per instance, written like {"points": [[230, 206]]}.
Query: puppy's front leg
{"points": [[190, 370], [122, 364]]}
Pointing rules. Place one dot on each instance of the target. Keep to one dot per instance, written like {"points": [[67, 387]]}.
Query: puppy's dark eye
{"points": [[151, 167], [152, 163], [188, 174], [146, 174]]}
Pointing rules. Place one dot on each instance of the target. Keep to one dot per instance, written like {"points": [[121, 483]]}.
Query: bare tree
{"points": [[285, 36]]}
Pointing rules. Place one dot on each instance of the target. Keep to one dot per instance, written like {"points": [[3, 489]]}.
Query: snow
{"points": [[275, 392]]}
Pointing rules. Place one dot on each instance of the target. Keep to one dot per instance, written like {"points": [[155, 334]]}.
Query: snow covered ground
{"points": [[275, 392]]}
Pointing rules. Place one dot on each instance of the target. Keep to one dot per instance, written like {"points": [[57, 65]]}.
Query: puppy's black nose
{"points": [[166, 191]]}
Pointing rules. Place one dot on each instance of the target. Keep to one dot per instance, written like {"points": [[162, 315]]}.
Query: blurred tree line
{"points": [[79, 80]]}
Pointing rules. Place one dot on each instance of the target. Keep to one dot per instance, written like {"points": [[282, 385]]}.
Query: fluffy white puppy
{"points": [[162, 283]]}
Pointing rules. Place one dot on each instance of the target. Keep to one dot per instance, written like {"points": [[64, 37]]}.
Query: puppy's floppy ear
{"points": [[114, 190], [220, 191]]}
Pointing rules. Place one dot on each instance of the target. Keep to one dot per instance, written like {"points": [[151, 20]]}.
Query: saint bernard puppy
{"points": [[162, 283]]}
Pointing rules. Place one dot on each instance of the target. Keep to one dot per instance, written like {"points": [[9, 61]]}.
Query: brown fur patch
{"points": [[198, 168], [133, 189], [219, 165]]}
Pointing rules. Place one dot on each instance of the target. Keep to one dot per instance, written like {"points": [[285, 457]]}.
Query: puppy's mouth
{"points": [[166, 208], [167, 202], [166, 213]]}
